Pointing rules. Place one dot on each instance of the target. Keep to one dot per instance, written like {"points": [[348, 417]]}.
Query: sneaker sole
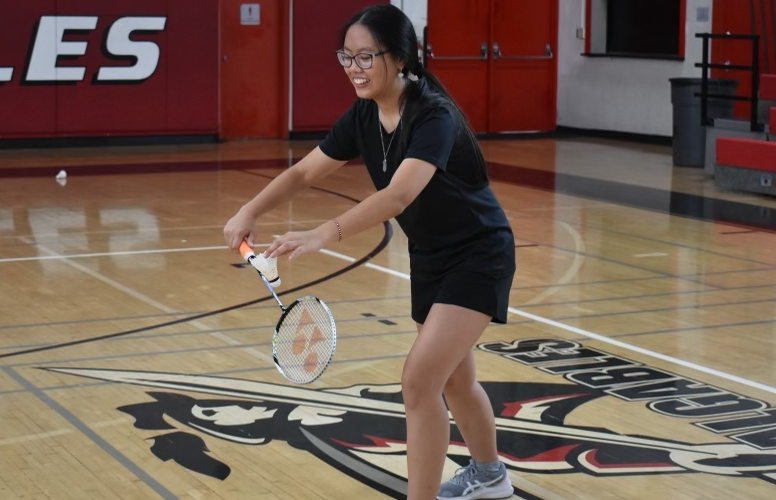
{"points": [[504, 489]]}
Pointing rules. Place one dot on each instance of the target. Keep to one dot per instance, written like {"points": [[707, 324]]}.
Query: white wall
{"points": [[625, 95], [417, 11]]}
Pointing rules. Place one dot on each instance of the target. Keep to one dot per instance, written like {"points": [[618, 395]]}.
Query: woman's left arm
{"points": [[409, 180]]}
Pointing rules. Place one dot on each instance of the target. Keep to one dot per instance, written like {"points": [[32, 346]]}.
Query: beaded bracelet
{"points": [[339, 229]]}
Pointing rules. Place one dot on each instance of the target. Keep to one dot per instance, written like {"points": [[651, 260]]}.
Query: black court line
{"points": [[382, 297], [194, 333], [190, 350], [98, 320], [387, 319], [163, 315], [398, 297], [387, 235]]}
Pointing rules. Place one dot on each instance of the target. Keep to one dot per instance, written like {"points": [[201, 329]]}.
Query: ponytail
{"points": [[425, 96]]}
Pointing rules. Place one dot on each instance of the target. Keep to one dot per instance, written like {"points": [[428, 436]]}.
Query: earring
{"points": [[401, 74]]}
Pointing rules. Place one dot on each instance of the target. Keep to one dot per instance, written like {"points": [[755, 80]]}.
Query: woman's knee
{"points": [[462, 380], [418, 387]]}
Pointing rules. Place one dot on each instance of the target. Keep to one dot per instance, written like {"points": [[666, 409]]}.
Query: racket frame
{"points": [[249, 255], [276, 336]]}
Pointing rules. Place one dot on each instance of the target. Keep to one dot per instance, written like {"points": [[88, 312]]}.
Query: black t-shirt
{"points": [[456, 219]]}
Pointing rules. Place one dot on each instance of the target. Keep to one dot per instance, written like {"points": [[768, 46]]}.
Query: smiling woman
{"points": [[429, 172]]}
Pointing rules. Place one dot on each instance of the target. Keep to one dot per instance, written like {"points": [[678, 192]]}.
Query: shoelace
{"points": [[464, 474]]}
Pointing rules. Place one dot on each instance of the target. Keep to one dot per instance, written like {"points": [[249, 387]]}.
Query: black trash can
{"points": [[689, 140]]}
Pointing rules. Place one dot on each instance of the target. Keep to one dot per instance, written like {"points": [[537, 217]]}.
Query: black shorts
{"points": [[464, 288]]}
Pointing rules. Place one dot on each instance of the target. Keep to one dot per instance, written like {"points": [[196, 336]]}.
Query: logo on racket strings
{"points": [[306, 337]]}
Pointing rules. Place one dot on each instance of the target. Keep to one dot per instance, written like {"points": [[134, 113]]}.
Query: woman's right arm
{"points": [[312, 168]]}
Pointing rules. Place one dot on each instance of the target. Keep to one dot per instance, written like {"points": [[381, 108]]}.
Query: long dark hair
{"points": [[393, 31]]}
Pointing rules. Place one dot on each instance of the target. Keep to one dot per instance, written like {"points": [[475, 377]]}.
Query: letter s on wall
{"points": [[118, 43]]}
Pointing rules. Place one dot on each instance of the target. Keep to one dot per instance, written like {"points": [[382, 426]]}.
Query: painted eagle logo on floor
{"points": [[361, 430]]}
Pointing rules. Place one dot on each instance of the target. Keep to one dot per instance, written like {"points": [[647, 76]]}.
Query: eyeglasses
{"points": [[363, 60]]}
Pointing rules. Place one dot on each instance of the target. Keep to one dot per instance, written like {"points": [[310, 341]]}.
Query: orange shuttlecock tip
{"points": [[245, 249]]}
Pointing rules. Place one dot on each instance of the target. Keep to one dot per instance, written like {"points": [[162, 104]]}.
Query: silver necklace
{"points": [[382, 143]]}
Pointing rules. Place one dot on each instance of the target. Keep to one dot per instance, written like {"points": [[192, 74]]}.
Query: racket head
{"points": [[304, 341]]}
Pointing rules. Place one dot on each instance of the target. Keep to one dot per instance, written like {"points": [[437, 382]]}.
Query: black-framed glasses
{"points": [[363, 60]]}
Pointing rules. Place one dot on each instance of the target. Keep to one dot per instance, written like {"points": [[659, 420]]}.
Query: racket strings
{"points": [[305, 339]]}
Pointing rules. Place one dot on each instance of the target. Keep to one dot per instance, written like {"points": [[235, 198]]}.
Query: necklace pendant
{"points": [[385, 165]]}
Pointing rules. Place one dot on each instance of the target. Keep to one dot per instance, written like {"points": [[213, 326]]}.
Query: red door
{"points": [[523, 69], [457, 40], [510, 85], [252, 76]]}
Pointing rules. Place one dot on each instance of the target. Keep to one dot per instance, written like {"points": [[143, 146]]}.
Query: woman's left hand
{"points": [[295, 243]]}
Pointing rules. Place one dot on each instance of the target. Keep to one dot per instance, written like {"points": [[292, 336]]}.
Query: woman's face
{"points": [[381, 77]]}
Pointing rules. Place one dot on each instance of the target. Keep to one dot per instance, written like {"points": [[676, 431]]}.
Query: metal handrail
{"points": [[754, 68]]}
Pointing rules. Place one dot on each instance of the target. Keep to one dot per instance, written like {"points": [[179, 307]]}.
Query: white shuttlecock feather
{"points": [[268, 267]]}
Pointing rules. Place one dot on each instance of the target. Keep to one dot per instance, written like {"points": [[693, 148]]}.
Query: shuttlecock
{"points": [[61, 178], [267, 267]]}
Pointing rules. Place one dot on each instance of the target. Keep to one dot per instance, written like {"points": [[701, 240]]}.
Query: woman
{"points": [[430, 175]]}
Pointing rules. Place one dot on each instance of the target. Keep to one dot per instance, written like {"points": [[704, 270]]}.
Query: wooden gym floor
{"points": [[639, 361]]}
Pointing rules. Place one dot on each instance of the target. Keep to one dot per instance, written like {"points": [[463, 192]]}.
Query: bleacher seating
{"points": [[750, 164], [768, 87], [772, 119], [746, 164]]}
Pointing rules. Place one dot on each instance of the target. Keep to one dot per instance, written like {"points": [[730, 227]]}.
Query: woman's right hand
{"points": [[239, 228]]}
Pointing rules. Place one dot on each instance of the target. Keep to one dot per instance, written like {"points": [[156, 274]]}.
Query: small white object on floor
{"points": [[62, 178]]}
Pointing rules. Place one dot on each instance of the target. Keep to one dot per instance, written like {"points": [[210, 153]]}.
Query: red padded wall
{"points": [[180, 96], [321, 91]]}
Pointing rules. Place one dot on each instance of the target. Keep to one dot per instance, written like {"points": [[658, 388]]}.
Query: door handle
{"points": [[483, 54], [497, 53]]}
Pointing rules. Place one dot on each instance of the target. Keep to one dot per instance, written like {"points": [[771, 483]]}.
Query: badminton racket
{"points": [[305, 336]]}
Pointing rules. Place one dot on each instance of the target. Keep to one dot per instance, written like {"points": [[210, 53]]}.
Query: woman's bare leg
{"points": [[445, 340]]}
